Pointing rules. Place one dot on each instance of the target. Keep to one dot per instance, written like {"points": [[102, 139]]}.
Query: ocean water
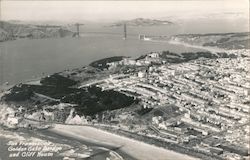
{"points": [[25, 59]]}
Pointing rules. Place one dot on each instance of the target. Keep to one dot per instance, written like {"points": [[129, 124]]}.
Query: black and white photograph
{"points": [[124, 80]]}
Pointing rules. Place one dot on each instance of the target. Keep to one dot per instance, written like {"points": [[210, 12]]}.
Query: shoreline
{"points": [[93, 144], [137, 149], [74, 145], [174, 42], [210, 49]]}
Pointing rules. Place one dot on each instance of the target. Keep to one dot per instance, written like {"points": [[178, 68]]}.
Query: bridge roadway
{"points": [[108, 33]]}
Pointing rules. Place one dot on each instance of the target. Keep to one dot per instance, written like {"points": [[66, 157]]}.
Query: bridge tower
{"points": [[77, 33], [125, 31]]}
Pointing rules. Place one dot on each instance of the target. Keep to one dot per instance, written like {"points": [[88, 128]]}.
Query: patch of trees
{"points": [[57, 80], [166, 53], [186, 56], [24, 92], [19, 93], [195, 55], [171, 57], [93, 100], [89, 101]]}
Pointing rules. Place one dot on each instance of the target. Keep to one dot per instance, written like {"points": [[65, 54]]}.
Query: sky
{"points": [[113, 10]]}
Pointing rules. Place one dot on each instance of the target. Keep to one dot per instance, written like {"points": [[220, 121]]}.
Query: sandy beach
{"points": [[136, 149]]}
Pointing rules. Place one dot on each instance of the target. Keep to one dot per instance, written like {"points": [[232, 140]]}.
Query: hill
{"points": [[220, 40], [12, 31], [142, 22]]}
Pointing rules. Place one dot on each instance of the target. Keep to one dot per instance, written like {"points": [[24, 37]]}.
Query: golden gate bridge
{"points": [[77, 32]]}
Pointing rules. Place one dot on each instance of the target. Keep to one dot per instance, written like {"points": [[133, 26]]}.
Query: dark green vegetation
{"points": [[103, 63], [93, 100], [171, 57], [88, 101], [56, 92], [57, 80], [19, 93]]}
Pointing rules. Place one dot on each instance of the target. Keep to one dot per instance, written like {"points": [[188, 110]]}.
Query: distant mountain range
{"points": [[12, 31], [142, 22], [213, 16]]}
